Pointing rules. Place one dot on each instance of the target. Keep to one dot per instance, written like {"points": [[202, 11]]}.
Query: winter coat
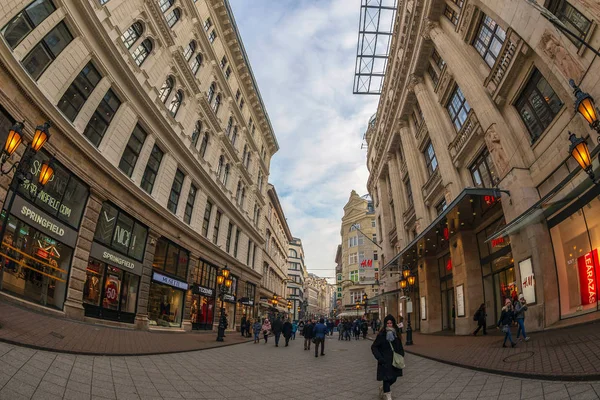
{"points": [[307, 332], [480, 317], [287, 329], [319, 331], [277, 326], [507, 317], [256, 327], [382, 351], [266, 326], [364, 326], [520, 310]]}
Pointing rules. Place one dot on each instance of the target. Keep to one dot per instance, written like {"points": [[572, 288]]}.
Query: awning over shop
{"points": [[465, 212]]}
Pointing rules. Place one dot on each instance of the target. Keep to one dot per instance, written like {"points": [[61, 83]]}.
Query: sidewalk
{"points": [[568, 354], [32, 329]]}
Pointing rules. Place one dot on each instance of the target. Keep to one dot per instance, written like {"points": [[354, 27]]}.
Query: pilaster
{"points": [[416, 175], [429, 287], [141, 318]]}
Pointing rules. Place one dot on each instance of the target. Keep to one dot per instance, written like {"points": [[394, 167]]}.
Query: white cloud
{"points": [[303, 54]]}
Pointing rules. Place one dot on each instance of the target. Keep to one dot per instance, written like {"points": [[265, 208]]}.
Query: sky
{"points": [[303, 53]]}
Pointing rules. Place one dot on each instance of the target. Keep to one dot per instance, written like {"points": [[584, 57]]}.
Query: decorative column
{"points": [[141, 318], [415, 173], [187, 307], [74, 302], [429, 287], [438, 128], [397, 196]]}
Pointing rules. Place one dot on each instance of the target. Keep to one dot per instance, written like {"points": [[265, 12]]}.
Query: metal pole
{"points": [[409, 340]]}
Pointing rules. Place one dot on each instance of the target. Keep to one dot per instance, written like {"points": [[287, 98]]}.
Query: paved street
{"points": [[249, 371]]}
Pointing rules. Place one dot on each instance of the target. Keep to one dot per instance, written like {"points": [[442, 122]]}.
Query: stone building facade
{"points": [[296, 276], [469, 163], [162, 147], [358, 255]]}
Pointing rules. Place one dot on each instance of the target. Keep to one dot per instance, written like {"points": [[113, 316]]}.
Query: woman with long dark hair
{"points": [[387, 343]]}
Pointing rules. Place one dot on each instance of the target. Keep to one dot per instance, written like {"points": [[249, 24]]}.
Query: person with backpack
{"points": [[520, 308], [480, 317], [506, 319], [383, 348]]}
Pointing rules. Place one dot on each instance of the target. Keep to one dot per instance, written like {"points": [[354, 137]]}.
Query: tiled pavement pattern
{"points": [[569, 352], [22, 326], [249, 371]]}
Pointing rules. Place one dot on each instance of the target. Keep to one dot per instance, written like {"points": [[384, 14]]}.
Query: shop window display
{"points": [[202, 312], [165, 306], [36, 266]]}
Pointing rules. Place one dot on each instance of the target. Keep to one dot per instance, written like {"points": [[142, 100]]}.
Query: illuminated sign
{"points": [[499, 242], [587, 265], [366, 263], [490, 200]]}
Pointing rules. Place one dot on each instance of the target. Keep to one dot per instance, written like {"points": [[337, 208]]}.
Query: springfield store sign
{"points": [[115, 259]]}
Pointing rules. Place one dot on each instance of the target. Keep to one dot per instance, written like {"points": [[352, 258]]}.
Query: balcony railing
{"points": [[506, 61], [465, 138], [430, 187]]}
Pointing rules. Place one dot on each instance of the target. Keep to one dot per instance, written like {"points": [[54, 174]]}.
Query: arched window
{"points": [[189, 51], [211, 92], [196, 133], [234, 136], [176, 103], [131, 35], [173, 17], [142, 52], [196, 63], [226, 175], [165, 5], [293, 253], [166, 88], [220, 166], [229, 126], [204, 145], [217, 104]]}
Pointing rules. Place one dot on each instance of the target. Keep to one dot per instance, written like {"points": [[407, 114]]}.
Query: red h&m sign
{"points": [[587, 265], [366, 263]]}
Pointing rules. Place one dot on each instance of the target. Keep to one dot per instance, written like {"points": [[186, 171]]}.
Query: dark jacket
{"points": [[277, 326], [364, 326], [480, 316], [287, 329], [520, 310], [506, 318], [383, 353], [307, 332], [320, 331]]}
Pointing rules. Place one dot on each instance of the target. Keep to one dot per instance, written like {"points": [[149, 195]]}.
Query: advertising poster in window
{"points": [[460, 301], [587, 266], [423, 309], [527, 280]]}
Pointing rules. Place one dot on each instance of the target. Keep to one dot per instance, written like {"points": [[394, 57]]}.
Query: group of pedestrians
{"points": [[511, 313], [347, 328]]}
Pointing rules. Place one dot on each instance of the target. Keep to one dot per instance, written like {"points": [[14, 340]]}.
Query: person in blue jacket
{"points": [[319, 332]]}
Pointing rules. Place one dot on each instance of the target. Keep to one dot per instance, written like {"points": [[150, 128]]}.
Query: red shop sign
{"points": [[449, 265], [112, 292], [587, 266]]}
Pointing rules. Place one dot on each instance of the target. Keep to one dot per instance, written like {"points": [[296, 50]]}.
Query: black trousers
{"points": [[287, 340], [387, 385], [322, 343], [479, 327], [277, 335]]}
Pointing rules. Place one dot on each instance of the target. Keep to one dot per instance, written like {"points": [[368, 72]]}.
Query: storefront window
{"points": [[171, 258], [165, 305], [36, 266], [202, 312], [120, 232]]}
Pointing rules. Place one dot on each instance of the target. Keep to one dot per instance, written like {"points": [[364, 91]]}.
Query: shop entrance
{"points": [[447, 291]]}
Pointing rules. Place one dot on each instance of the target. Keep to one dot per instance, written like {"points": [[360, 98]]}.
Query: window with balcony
{"points": [[430, 159], [458, 108], [100, 121], [47, 50], [26, 21], [489, 40], [575, 21], [483, 171], [132, 150], [175, 191], [78, 92], [151, 170], [189, 204], [537, 105]]}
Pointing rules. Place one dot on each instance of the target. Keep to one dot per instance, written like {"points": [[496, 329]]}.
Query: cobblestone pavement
{"points": [[256, 371]]}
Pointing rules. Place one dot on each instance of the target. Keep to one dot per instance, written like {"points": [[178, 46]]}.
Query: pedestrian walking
{"points": [[287, 331], [348, 329], [243, 325], [506, 319], [249, 327], [266, 329], [383, 348], [301, 327], [276, 328], [308, 334], [319, 332], [356, 329], [480, 318], [364, 328], [341, 329], [294, 329], [374, 325], [330, 326], [520, 308], [257, 328]]}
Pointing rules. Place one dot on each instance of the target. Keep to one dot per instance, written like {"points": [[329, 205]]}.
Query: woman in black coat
{"points": [[382, 351]]}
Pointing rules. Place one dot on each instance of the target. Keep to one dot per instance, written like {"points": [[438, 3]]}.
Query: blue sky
{"points": [[303, 53]]}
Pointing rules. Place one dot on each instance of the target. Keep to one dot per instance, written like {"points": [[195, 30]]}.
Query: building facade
{"points": [[477, 98], [296, 276], [358, 272], [315, 292], [161, 145], [275, 256]]}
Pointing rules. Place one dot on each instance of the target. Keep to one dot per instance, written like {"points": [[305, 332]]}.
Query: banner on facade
{"points": [[587, 265], [366, 272], [527, 280]]}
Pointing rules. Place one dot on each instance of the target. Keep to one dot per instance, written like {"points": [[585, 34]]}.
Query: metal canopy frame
{"points": [[375, 30]]}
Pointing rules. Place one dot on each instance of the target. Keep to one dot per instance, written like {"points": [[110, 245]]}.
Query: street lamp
{"points": [[584, 105], [580, 152], [357, 308], [224, 282], [365, 299], [407, 285]]}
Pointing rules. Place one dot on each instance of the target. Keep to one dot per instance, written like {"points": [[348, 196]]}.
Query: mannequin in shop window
{"points": [[194, 312], [91, 289]]}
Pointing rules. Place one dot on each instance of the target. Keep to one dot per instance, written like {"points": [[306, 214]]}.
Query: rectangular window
{"points": [[132, 150], [228, 241], [458, 108], [237, 242], [433, 74], [459, 3], [430, 159], [207, 24], [373, 223], [353, 258], [249, 251], [354, 276], [175, 191], [537, 105], [223, 62], [26, 21], [189, 205], [79, 91], [374, 235], [489, 40], [171, 258], [217, 226], [483, 171], [439, 61], [409, 196], [100, 121], [151, 170], [451, 15], [46, 51], [440, 207], [212, 36], [206, 219], [575, 21]]}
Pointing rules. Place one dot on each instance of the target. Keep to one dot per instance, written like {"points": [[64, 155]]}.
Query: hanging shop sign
{"points": [[229, 298], [366, 272], [246, 301], [203, 291], [48, 225], [527, 280], [587, 265], [111, 257], [167, 280]]}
